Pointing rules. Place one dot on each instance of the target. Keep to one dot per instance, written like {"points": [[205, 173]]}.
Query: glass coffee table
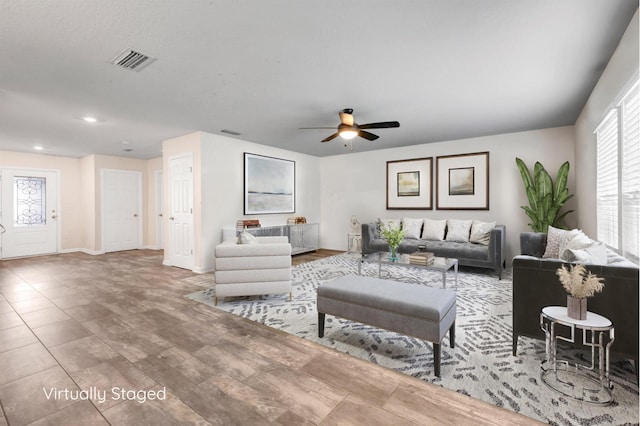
{"points": [[440, 264]]}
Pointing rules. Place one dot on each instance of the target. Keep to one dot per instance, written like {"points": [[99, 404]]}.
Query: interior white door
{"points": [[121, 209], [29, 212], [180, 244], [159, 209]]}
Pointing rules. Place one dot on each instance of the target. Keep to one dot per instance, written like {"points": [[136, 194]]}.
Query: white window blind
{"points": [[618, 179], [607, 187], [630, 179]]}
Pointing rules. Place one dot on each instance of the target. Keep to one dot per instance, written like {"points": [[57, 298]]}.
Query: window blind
{"points": [[630, 174], [607, 180]]}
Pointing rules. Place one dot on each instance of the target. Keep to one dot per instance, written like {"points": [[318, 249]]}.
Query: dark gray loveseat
{"points": [[468, 254], [536, 285]]}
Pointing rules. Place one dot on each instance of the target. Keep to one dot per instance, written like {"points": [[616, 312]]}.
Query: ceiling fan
{"points": [[349, 129]]}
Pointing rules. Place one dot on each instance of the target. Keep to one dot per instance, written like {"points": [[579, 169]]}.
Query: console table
{"points": [[303, 237], [585, 383]]}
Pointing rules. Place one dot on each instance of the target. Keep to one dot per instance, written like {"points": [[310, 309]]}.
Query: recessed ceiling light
{"points": [[38, 148], [90, 119]]}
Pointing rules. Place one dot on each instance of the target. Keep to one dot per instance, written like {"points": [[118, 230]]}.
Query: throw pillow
{"points": [[458, 230], [555, 237], [573, 240], [412, 227], [389, 223], [595, 254], [481, 232], [434, 229], [247, 238]]}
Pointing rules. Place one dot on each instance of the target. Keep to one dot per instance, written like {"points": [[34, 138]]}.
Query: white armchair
{"points": [[252, 269]]}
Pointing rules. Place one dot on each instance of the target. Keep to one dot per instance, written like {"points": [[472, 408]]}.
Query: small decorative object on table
{"points": [[580, 284], [394, 236], [243, 224], [424, 258], [296, 220]]}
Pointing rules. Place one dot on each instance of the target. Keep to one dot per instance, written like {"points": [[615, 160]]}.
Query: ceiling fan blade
{"points": [[329, 138], [381, 125], [367, 135], [307, 128], [346, 118]]}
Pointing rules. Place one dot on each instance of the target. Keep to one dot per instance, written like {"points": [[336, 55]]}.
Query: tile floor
{"points": [[74, 322]]}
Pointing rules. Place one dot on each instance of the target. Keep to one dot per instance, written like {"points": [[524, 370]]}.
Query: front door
{"points": [[28, 212]]}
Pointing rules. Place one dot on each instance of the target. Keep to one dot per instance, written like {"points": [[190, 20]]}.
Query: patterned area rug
{"points": [[481, 364]]}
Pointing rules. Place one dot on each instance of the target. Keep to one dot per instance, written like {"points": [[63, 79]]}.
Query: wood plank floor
{"points": [[118, 325]]}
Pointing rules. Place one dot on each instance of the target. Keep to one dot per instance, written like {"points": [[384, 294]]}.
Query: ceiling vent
{"points": [[230, 132], [131, 60]]}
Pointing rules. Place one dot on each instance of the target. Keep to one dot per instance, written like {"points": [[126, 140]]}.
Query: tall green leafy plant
{"points": [[545, 199]]}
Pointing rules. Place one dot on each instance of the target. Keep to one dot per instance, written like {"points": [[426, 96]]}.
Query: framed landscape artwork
{"points": [[409, 184], [269, 185], [462, 181]]}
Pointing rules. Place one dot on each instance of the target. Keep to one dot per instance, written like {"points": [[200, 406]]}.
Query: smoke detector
{"points": [[131, 60]]}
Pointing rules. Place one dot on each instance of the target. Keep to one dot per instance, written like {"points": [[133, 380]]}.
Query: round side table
{"points": [[582, 382]]}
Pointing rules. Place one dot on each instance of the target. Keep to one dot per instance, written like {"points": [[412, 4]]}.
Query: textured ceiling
{"points": [[446, 69]]}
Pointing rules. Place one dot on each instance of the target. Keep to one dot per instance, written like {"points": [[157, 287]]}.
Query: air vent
{"points": [[132, 60], [230, 132]]}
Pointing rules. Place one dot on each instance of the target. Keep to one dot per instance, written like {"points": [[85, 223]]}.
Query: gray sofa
{"points": [[536, 285], [468, 254]]}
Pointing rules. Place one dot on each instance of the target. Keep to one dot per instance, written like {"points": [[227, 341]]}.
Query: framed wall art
{"points": [[462, 181], [269, 185], [409, 184]]}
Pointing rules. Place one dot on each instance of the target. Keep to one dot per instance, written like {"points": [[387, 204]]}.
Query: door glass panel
{"points": [[29, 202]]}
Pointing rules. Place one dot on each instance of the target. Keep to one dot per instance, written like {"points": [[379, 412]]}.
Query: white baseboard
{"points": [[202, 270], [82, 250]]}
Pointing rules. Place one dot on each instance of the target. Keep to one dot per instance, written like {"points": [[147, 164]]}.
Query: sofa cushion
{"points": [[555, 237], [412, 227], [481, 232], [574, 239], [595, 254], [269, 246], [458, 250], [389, 223], [434, 229], [247, 238], [458, 230]]}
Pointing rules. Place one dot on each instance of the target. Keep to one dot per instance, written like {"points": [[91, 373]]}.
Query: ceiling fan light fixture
{"points": [[348, 134]]}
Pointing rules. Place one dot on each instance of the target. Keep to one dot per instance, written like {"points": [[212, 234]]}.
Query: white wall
{"points": [[219, 186], [71, 217], [80, 193], [355, 183], [614, 82]]}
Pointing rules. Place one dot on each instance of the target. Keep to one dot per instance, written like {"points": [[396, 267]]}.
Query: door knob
{"points": [[171, 218], [135, 215], [53, 216], [160, 214]]}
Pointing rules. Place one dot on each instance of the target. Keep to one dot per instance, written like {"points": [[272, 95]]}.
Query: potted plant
{"points": [[545, 199], [394, 236], [580, 284]]}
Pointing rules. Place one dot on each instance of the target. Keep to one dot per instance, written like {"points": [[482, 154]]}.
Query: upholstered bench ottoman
{"points": [[415, 310]]}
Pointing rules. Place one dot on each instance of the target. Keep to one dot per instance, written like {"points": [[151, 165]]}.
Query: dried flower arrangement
{"points": [[578, 282]]}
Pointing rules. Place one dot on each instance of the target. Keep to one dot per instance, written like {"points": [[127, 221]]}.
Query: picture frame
{"points": [[462, 181], [409, 184], [269, 185]]}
